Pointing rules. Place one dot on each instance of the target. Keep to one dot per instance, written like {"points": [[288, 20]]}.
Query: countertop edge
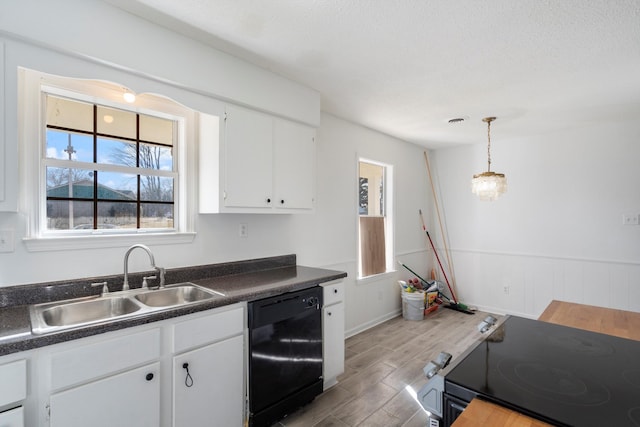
{"points": [[242, 287]]}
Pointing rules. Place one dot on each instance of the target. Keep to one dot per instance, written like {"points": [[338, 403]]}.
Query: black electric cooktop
{"points": [[562, 375]]}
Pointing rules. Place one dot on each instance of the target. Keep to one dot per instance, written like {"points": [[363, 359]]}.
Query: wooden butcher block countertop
{"points": [[481, 413], [620, 323]]}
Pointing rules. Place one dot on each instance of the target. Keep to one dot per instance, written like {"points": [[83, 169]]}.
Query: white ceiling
{"points": [[405, 67]]}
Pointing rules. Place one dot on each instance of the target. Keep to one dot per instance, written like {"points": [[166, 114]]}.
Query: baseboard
{"points": [[370, 324]]}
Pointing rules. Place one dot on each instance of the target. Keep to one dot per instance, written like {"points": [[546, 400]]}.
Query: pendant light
{"points": [[489, 185]]}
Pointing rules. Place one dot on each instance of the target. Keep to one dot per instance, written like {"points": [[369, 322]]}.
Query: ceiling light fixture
{"points": [[129, 96], [489, 185]]}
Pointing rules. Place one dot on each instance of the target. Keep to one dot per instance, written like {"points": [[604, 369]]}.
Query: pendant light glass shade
{"points": [[489, 185]]}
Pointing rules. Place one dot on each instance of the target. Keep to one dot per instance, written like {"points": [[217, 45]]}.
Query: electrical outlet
{"points": [[630, 219], [6, 240], [243, 231], [505, 290]]}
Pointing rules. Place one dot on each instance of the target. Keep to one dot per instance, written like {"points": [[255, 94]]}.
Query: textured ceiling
{"points": [[404, 67]]}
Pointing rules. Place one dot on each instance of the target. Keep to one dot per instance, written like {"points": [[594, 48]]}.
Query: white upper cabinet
{"points": [[294, 165], [248, 159], [255, 163], [4, 163]]}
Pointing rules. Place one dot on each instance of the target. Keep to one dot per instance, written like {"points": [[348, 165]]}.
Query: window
{"points": [[107, 168], [375, 228], [97, 166]]}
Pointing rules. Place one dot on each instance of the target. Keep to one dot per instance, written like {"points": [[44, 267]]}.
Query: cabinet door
{"points": [[128, 399], [211, 394], [248, 158], [333, 342], [294, 172]]}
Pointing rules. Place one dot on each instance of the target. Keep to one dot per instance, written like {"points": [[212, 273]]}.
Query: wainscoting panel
{"points": [[524, 284]]}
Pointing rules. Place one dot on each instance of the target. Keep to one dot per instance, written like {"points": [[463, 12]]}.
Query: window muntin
{"points": [[105, 175]]}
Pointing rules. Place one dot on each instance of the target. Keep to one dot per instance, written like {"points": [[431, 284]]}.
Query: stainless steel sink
{"points": [[175, 295], [73, 313], [81, 312]]}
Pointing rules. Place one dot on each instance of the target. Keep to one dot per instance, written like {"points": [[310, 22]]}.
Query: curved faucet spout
{"points": [[125, 285]]}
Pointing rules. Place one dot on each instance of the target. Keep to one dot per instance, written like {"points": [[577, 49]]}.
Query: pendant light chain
{"points": [[489, 185], [489, 145]]}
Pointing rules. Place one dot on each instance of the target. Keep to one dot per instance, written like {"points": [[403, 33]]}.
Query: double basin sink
{"points": [[80, 312]]}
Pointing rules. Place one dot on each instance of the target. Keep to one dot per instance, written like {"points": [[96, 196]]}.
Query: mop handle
{"points": [[414, 273], [437, 258], [423, 280]]}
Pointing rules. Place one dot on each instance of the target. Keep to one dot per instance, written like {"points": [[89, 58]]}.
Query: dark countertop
{"points": [[263, 279]]}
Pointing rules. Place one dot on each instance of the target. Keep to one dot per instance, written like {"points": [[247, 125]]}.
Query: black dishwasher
{"points": [[285, 354]]}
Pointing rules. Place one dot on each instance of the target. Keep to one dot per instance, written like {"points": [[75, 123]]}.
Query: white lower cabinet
{"points": [[131, 398], [13, 383], [208, 385], [112, 379], [332, 332], [208, 370], [135, 377], [13, 391]]}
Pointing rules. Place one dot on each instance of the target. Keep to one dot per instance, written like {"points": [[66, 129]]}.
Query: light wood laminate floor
{"points": [[380, 363]]}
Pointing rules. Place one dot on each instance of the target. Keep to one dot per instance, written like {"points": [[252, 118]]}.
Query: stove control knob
{"points": [[311, 301]]}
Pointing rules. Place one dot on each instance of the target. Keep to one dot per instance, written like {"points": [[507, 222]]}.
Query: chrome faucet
{"points": [[161, 272], [125, 285]]}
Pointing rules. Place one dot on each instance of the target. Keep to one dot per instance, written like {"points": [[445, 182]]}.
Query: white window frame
{"points": [[389, 208], [32, 90]]}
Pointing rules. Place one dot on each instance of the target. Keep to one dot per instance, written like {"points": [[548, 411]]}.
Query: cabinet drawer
{"points": [[12, 418], [13, 380], [332, 292], [207, 329], [104, 357]]}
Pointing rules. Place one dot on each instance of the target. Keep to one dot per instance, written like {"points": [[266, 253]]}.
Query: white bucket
{"points": [[413, 305]]}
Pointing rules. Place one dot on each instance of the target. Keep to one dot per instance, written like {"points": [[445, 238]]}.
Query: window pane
{"points": [[156, 215], [113, 122], [156, 188], [117, 186], [371, 189], [116, 152], [117, 215], [69, 146], [156, 157], [69, 114], [155, 129], [69, 182], [363, 196], [59, 218]]}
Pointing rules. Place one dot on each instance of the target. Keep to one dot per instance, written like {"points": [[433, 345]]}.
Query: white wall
{"points": [[327, 238], [557, 233]]}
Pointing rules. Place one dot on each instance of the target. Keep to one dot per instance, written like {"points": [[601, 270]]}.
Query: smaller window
{"points": [[375, 229]]}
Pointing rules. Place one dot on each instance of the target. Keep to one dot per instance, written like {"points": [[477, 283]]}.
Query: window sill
{"points": [[42, 244], [389, 274]]}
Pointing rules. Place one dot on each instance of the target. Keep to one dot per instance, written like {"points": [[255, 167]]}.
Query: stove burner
{"points": [[553, 383], [632, 376], [582, 345], [634, 415]]}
